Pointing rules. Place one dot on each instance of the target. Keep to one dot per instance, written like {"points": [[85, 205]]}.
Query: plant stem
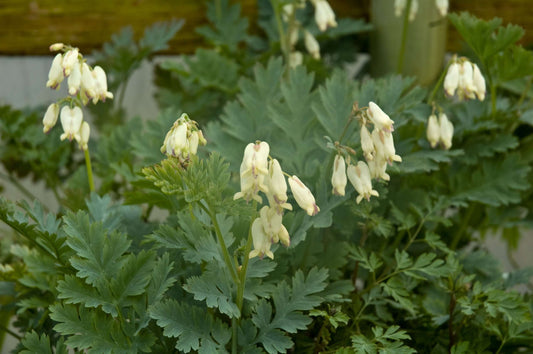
{"points": [[89, 169], [220, 238], [439, 83], [399, 68], [462, 229], [282, 37], [451, 334], [493, 98], [242, 280], [10, 332]]}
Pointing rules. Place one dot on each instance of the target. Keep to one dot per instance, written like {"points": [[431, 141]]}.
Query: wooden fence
{"points": [[28, 26]]}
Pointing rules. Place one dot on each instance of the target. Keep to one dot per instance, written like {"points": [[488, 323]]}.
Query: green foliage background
{"points": [[402, 273]]}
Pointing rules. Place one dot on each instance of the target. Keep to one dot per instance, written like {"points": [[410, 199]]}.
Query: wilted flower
{"points": [[303, 196], [360, 178], [433, 131], [50, 117], [338, 178], [71, 119]]}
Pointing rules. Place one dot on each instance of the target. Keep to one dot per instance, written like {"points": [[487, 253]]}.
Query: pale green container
{"points": [[425, 45]]}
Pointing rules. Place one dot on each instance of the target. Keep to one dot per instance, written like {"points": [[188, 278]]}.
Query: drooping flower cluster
{"points": [[465, 78], [324, 18], [84, 84], [378, 150], [258, 174], [399, 7], [440, 131], [182, 139]]}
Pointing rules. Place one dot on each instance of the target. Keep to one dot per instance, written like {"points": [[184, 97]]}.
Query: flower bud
{"points": [[359, 177], [55, 75], [446, 131], [303, 196], [56, 46], [50, 117], [71, 119], [338, 179], [380, 119], [433, 131], [284, 237], [312, 45], [295, 59]]}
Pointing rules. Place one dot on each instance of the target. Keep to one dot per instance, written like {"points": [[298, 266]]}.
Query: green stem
{"points": [[462, 229], [89, 169], [242, 280], [220, 238], [10, 332], [439, 83], [399, 68], [283, 40], [493, 98], [524, 92]]}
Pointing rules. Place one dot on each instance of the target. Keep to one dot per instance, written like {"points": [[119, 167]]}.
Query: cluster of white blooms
{"points": [[182, 139], [84, 84], [399, 7], [440, 131], [257, 174], [324, 18], [465, 78], [378, 150]]}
